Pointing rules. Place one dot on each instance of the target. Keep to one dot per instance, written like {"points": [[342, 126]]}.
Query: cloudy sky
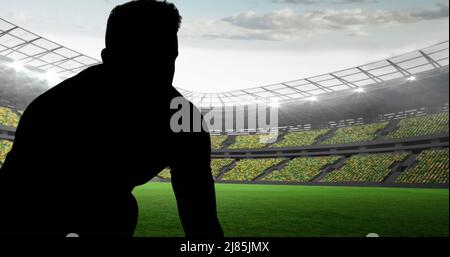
{"points": [[236, 44]]}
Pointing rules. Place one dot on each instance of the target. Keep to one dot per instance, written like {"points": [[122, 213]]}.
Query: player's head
{"points": [[142, 31]]}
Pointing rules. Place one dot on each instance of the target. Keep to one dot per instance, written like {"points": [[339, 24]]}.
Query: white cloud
{"points": [[309, 2], [287, 24]]}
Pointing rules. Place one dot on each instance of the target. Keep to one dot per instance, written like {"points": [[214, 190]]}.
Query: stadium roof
{"points": [[33, 50], [404, 66]]}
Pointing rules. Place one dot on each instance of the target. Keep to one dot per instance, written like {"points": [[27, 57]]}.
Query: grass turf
{"points": [[273, 211]]}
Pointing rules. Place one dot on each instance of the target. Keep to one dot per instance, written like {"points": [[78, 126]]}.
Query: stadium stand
{"points": [[301, 169], [366, 168], [165, 174], [431, 167], [217, 142], [8, 117], [248, 170], [355, 134], [218, 164], [5, 147], [301, 138], [251, 141], [421, 126]]}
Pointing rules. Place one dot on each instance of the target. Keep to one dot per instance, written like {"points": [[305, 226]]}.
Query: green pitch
{"points": [[265, 210]]}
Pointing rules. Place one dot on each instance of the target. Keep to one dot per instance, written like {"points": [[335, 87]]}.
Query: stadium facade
{"points": [[379, 124]]}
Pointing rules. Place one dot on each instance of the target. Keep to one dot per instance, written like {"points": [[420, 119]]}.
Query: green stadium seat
{"points": [[431, 167], [356, 134], [248, 170], [251, 141], [366, 168], [301, 138], [217, 142], [218, 164], [165, 174], [5, 147], [421, 126], [8, 117], [303, 169]]}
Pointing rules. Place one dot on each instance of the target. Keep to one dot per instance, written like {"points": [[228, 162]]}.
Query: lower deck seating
{"points": [[218, 164], [303, 169], [366, 168], [248, 170], [431, 167], [217, 142]]}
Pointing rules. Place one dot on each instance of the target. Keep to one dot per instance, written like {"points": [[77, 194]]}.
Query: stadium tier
{"points": [[5, 147], [8, 117], [301, 169], [432, 167], [218, 164], [421, 126], [432, 124], [366, 168], [165, 174], [251, 141], [248, 170], [355, 134], [217, 142], [301, 138]]}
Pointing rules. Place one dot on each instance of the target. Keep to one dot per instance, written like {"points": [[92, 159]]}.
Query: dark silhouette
{"points": [[83, 146]]}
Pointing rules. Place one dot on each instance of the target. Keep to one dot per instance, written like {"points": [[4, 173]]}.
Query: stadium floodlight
{"points": [[412, 78], [359, 90], [313, 99]]}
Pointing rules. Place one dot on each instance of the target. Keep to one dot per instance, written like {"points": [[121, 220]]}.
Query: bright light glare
{"points": [[359, 90], [18, 66], [412, 78], [313, 99], [274, 104], [52, 77]]}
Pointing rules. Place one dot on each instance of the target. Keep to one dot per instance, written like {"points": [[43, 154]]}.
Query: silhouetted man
{"points": [[83, 146]]}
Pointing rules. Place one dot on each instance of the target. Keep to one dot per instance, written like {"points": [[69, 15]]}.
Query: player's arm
{"points": [[193, 185]]}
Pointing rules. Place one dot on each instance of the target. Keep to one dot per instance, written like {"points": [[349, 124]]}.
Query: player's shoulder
{"points": [[62, 96], [62, 93]]}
